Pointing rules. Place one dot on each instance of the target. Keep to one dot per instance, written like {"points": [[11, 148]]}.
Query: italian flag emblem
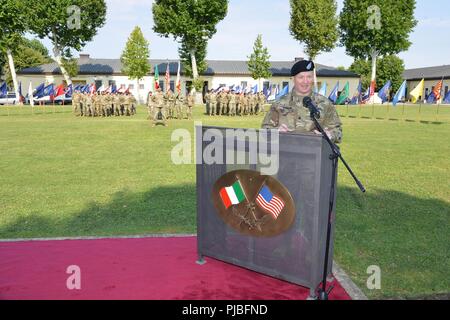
{"points": [[232, 195]]}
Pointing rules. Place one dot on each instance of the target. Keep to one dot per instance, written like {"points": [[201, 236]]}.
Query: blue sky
{"points": [[248, 18]]}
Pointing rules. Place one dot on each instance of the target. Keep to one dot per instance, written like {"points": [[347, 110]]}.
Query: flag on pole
{"points": [[255, 89], [269, 202], [156, 82], [283, 93], [373, 85], [178, 79], [344, 94], [59, 91], [30, 94], [21, 97], [167, 77], [39, 91], [3, 90], [333, 95], [383, 94], [323, 90], [401, 93], [49, 91], [232, 195], [417, 91], [101, 89], [69, 91], [447, 98], [435, 94], [92, 88], [357, 96]]}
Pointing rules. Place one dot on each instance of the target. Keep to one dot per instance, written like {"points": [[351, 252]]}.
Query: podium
{"points": [[297, 254]]}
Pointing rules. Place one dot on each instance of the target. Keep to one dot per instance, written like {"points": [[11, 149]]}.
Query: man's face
{"points": [[303, 82]]}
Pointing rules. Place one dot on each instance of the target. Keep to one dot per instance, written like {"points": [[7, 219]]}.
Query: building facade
{"points": [[106, 72], [432, 76]]}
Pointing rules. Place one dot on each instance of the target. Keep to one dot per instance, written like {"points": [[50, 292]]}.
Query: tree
{"points": [[29, 53], [373, 28], [315, 24], [259, 64], [12, 26], [69, 24], [390, 67], [135, 57], [192, 23]]}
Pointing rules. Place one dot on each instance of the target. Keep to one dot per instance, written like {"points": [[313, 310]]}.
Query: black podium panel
{"points": [[296, 255]]}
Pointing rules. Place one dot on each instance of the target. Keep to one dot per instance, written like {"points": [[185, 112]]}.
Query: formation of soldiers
{"points": [[234, 104], [163, 106], [103, 104]]}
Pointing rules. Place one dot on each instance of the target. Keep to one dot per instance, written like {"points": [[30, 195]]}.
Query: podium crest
{"points": [[253, 204]]}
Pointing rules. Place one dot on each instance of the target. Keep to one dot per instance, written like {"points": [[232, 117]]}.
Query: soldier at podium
{"points": [[289, 115]]}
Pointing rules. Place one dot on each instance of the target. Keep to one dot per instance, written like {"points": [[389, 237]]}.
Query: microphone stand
{"points": [[323, 292]]}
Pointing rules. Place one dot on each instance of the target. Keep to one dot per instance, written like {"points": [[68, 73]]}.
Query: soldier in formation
{"points": [[104, 104], [234, 104]]}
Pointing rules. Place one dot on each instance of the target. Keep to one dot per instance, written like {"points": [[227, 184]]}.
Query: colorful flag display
{"points": [[323, 90], [232, 195], [178, 83], [401, 93], [344, 94], [417, 91], [269, 202], [383, 94], [435, 94], [333, 95], [156, 83]]}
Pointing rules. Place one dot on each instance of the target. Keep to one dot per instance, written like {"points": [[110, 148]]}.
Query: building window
{"points": [[141, 86], [162, 85], [172, 86], [131, 86], [285, 84], [243, 84], [446, 91], [111, 82], [266, 85]]}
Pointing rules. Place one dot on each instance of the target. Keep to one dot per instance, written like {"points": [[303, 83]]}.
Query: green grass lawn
{"points": [[65, 176]]}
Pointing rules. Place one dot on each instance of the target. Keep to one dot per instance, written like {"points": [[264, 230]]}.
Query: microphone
{"points": [[308, 103]]}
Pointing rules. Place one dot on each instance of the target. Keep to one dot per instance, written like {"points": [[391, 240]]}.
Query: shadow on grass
{"points": [[160, 210], [406, 236]]}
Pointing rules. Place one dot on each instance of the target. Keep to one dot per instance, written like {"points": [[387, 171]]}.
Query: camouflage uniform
{"points": [[208, 102], [232, 104], [251, 103], [122, 104], [261, 98], [76, 99], [88, 103], [190, 104], [151, 105], [223, 100], [160, 113], [290, 112], [179, 102], [108, 104], [213, 104], [116, 104], [244, 104]]}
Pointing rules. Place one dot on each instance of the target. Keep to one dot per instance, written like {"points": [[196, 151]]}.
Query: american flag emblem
{"points": [[269, 202]]}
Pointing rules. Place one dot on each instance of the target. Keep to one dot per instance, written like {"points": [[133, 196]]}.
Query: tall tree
{"points": [[259, 64], [135, 57], [12, 26], [190, 22], [69, 24], [315, 24], [373, 28], [390, 67], [29, 53]]}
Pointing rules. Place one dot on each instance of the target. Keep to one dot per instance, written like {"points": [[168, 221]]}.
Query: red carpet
{"points": [[149, 268]]}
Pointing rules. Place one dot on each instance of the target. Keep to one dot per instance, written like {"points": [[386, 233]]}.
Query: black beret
{"points": [[301, 66]]}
